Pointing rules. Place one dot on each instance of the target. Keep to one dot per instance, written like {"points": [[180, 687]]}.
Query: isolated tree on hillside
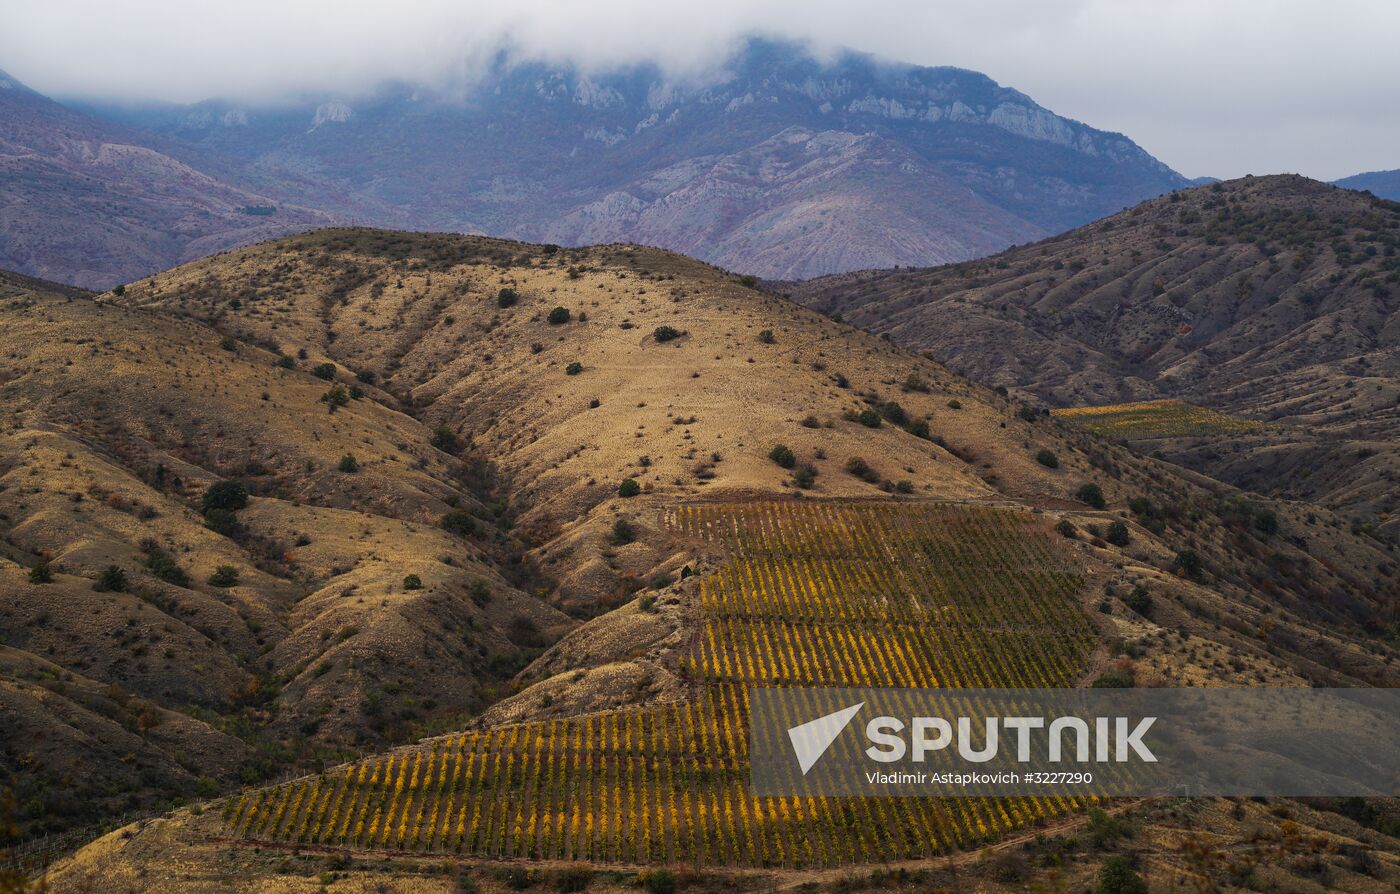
{"points": [[229, 494], [1090, 495], [113, 580], [445, 439], [1118, 534], [783, 456], [224, 576], [1117, 876]]}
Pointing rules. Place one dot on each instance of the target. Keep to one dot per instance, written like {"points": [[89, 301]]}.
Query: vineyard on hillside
{"points": [[909, 595], [1154, 419], [813, 594]]}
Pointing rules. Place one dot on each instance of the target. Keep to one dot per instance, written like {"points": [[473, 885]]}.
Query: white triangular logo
{"points": [[810, 740]]}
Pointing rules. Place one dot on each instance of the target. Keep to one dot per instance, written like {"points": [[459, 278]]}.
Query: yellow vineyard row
{"points": [[1154, 419], [814, 594]]}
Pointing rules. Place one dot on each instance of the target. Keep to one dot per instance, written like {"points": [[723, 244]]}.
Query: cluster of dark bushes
{"points": [[861, 469], [219, 504], [804, 475]]}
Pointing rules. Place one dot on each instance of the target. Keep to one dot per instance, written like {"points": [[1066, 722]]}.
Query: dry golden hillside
{"points": [[115, 422], [1272, 298], [696, 415], [437, 537]]}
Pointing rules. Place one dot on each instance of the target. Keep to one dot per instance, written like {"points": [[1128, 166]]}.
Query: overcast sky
{"points": [[1219, 87]]}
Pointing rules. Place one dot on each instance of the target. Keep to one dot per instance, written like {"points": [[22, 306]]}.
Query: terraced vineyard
{"points": [[856, 594], [1154, 419]]}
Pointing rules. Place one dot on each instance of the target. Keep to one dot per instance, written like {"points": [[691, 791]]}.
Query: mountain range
{"points": [[93, 202], [1385, 184], [779, 165]]}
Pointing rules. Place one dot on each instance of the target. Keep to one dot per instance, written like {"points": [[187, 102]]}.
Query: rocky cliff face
{"points": [[780, 165]]}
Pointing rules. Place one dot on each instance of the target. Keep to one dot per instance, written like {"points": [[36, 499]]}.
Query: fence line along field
{"points": [[811, 594], [1154, 419]]}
